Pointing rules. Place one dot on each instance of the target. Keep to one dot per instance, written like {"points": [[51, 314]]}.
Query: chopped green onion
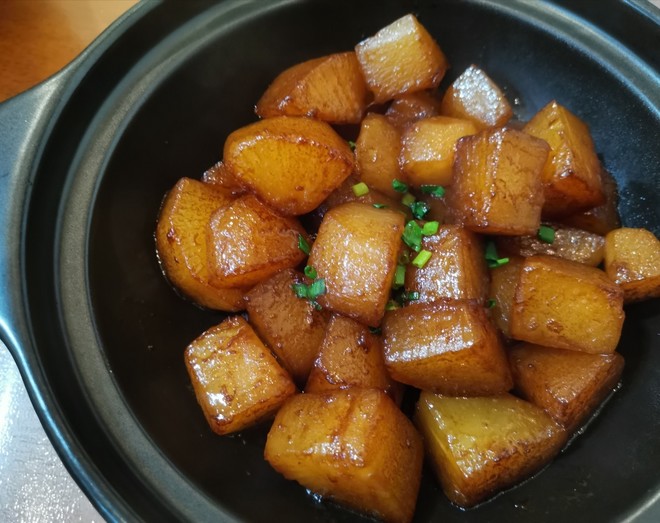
{"points": [[375, 330], [310, 272], [310, 292], [421, 259], [491, 251], [491, 303], [400, 296], [437, 191], [412, 235], [399, 186], [399, 276], [360, 189], [303, 245], [316, 289], [412, 296], [491, 256], [419, 209], [430, 228], [546, 234], [408, 199], [300, 290], [494, 264], [391, 305], [380, 205], [351, 144]]}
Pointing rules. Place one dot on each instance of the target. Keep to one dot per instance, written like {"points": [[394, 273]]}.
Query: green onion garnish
{"points": [[310, 292], [491, 251], [399, 186], [408, 199], [310, 272], [412, 296], [437, 191], [351, 144], [375, 330], [492, 258], [500, 262], [494, 264], [380, 205], [303, 245], [391, 305], [419, 209], [412, 235], [430, 228], [546, 234], [316, 289], [300, 290], [421, 259], [490, 303], [360, 189], [399, 276]]}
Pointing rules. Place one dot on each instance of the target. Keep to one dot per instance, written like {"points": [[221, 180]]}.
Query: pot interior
{"points": [[158, 106]]}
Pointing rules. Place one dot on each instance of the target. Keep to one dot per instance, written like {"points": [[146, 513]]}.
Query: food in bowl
{"points": [[431, 251]]}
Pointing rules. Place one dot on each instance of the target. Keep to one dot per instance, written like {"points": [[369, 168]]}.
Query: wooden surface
{"points": [[39, 37]]}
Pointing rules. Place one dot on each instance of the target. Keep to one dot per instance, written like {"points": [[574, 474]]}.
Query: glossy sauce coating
{"points": [[236, 379], [448, 346]]}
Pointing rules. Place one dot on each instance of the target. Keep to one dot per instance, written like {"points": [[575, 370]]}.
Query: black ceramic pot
{"points": [[97, 333]]}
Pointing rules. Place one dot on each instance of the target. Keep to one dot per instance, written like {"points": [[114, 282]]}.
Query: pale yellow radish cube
{"points": [[356, 253], [567, 384], [567, 305], [351, 356], [291, 163], [249, 242], [237, 381], [571, 176], [330, 88], [352, 446], [292, 327], [377, 154], [480, 446], [457, 267], [427, 149], [401, 58], [447, 346], [497, 185], [632, 260], [182, 247], [475, 97]]}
